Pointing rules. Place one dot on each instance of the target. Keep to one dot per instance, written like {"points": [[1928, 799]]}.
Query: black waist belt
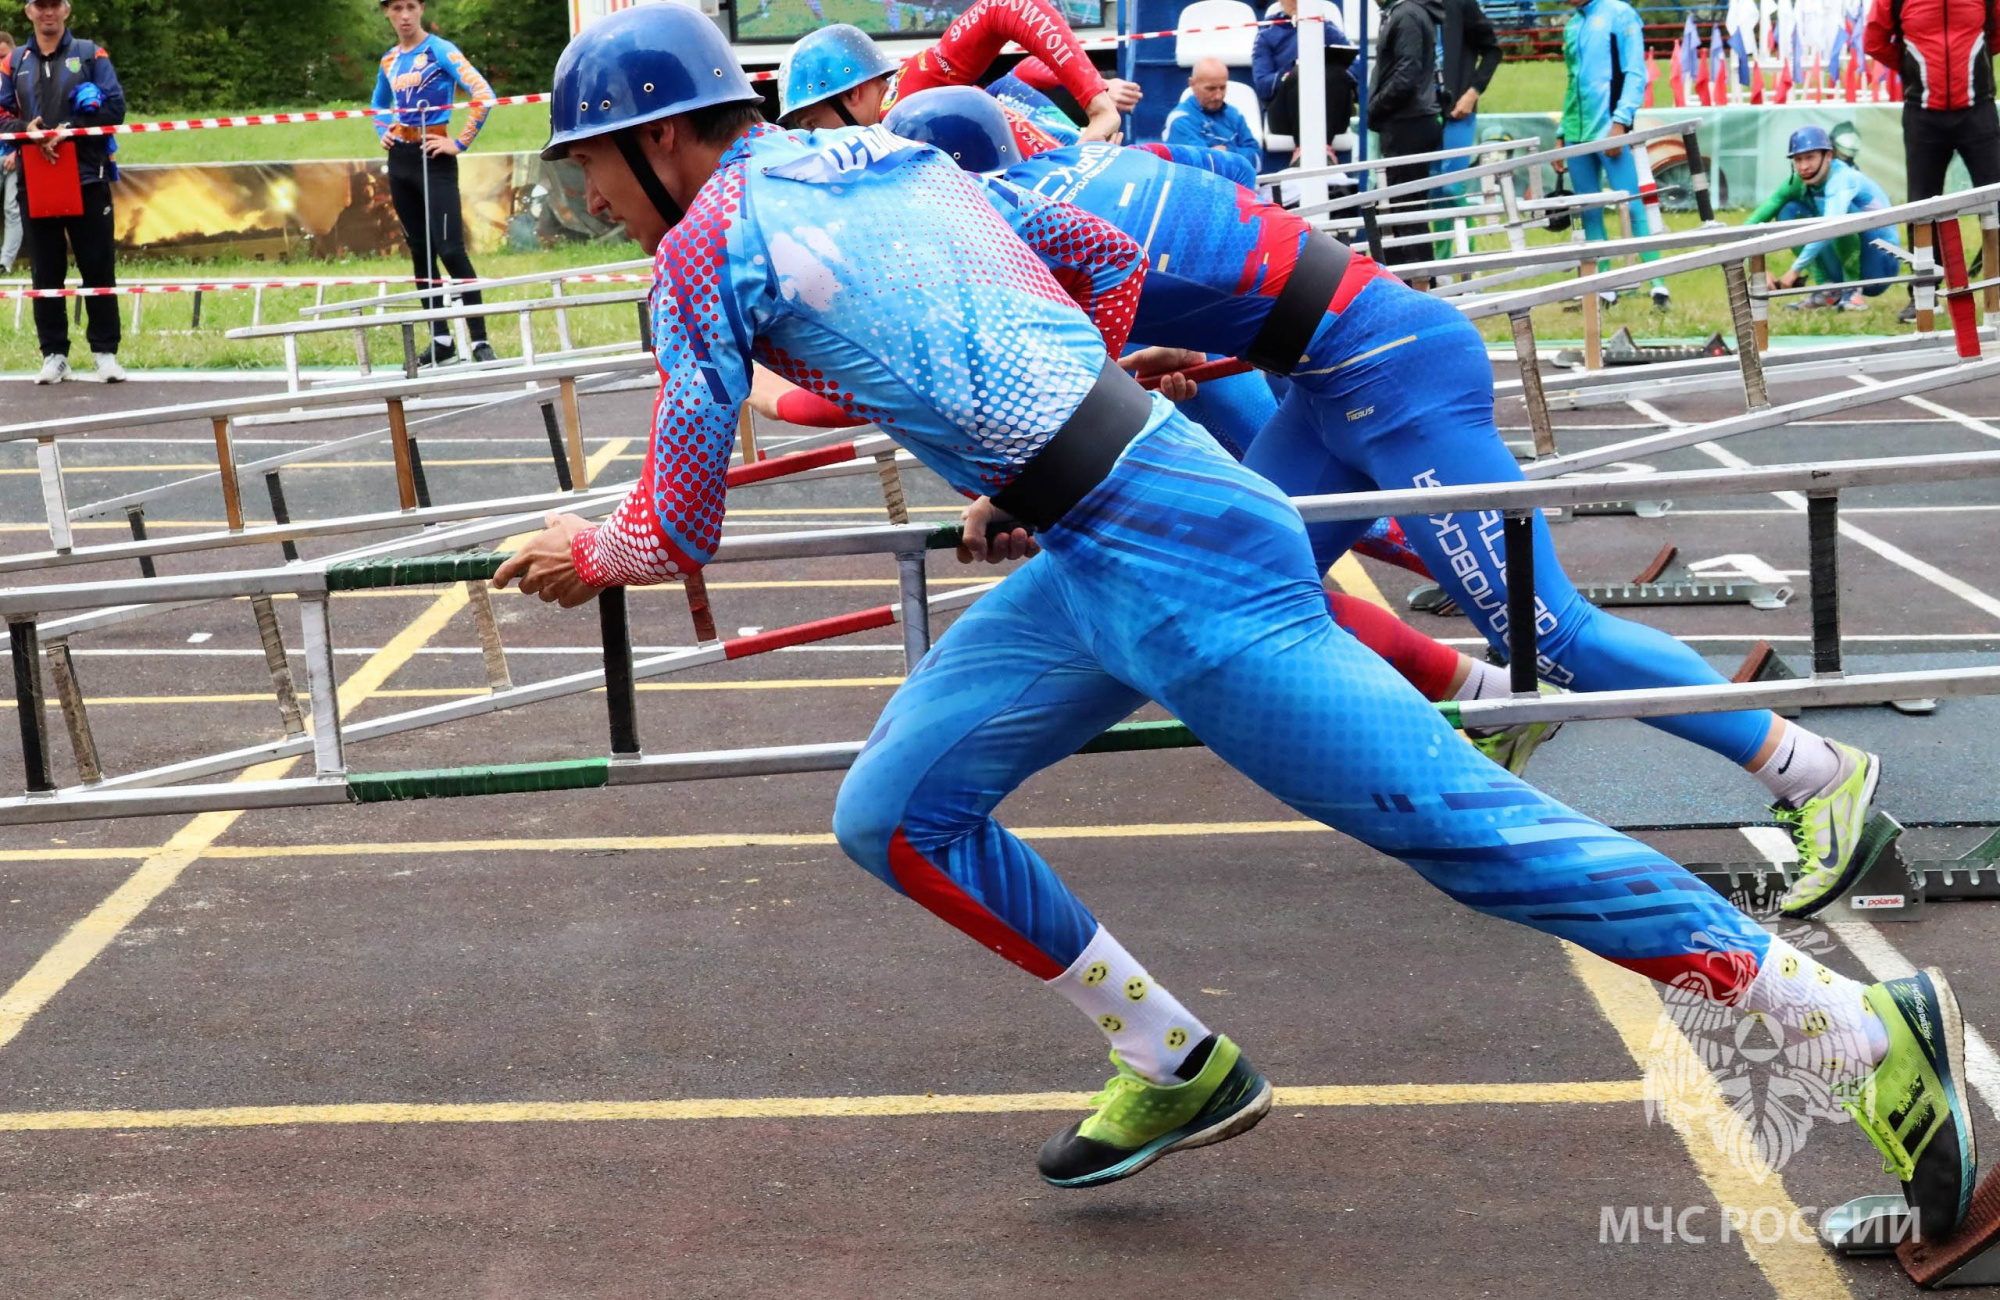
{"points": [[1081, 453], [1301, 305]]}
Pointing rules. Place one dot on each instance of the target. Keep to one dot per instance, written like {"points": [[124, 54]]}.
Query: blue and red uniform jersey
{"points": [[416, 89], [871, 271], [1217, 254]]}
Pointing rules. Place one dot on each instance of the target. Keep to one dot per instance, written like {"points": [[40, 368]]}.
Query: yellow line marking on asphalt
{"points": [[91, 935], [78, 855], [595, 463], [730, 840], [1351, 578], [542, 1112], [453, 692], [1722, 1146]]}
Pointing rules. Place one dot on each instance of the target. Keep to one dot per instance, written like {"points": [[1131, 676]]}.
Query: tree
{"points": [[237, 54], [514, 42]]}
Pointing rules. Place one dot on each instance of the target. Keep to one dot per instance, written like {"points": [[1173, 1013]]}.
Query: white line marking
{"points": [[1926, 404], [1884, 962], [1896, 555]]}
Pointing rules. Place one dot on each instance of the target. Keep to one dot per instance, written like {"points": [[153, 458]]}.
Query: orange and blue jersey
{"points": [[416, 88]]}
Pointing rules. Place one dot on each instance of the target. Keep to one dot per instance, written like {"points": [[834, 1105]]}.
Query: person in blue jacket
{"points": [[1205, 119], [60, 80], [1604, 53], [1821, 185]]}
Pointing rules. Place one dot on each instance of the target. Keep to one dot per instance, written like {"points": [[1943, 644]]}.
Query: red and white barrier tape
{"points": [[351, 114], [222, 286], [258, 119]]}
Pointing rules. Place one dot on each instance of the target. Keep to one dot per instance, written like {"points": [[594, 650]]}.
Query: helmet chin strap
{"points": [[839, 104], [649, 181]]}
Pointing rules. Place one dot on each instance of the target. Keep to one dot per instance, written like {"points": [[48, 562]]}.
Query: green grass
{"points": [[509, 129], [167, 341], [1523, 86], [1700, 305]]}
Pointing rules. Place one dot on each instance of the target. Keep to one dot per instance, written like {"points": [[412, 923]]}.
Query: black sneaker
{"points": [[440, 352], [483, 351], [1137, 1121], [1907, 316]]}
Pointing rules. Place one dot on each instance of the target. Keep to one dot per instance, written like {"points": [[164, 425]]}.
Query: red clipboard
{"points": [[55, 189]]}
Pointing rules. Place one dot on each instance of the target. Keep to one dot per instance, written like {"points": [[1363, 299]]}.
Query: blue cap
{"points": [[963, 121], [639, 65], [1808, 138], [827, 63]]}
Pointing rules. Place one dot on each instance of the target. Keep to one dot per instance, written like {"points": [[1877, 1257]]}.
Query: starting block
{"points": [[1663, 582], [1765, 664], [1881, 1225], [1890, 887], [1621, 349]]}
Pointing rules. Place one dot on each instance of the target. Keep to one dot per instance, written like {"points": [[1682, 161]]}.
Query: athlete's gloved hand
{"points": [[86, 98], [986, 535]]}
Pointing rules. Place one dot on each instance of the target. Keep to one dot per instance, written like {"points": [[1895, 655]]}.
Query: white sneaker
{"points": [[1608, 298], [55, 369], [108, 369]]}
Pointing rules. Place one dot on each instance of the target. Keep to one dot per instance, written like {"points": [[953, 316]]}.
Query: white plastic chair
{"points": [[1234, 47]]}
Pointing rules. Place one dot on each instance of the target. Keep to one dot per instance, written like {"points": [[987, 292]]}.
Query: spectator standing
{"points": [[1205, 119], [1944, 49], [1472, 55], [1274, 73], [10, 177], [1406, 103], [421, 75], [59, 81], [1604, 54]]}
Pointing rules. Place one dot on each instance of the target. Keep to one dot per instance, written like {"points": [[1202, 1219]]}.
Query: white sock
{"points": [[1485, 682], [1801, 766], [1151, 1030], [1836, 1034]]}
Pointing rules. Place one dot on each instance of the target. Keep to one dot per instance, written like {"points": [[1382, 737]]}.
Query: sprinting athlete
{"points": [[421, 76], [873, 269], [1821, 185], [1392, 388], [838, 76]]}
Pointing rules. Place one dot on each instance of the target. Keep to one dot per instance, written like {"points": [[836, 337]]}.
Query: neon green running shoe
{"points": [[1827, 830], [1137, 1121], [1913, 1106], [1512, 747]]}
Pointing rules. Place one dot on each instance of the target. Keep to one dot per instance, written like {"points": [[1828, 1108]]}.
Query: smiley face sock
{"points": [[1152, 1032]]}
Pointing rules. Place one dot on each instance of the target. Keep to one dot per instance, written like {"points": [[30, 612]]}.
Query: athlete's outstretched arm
{"points": [[1098, 264], [709, 300]]}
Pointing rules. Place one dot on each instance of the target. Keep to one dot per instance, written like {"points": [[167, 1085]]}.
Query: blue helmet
{"points": [[963, 121], [639, 65], [826, 64], [1808, 138]]}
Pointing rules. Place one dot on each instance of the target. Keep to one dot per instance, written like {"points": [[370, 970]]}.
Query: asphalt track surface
{"points": [[667, 1041]]}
